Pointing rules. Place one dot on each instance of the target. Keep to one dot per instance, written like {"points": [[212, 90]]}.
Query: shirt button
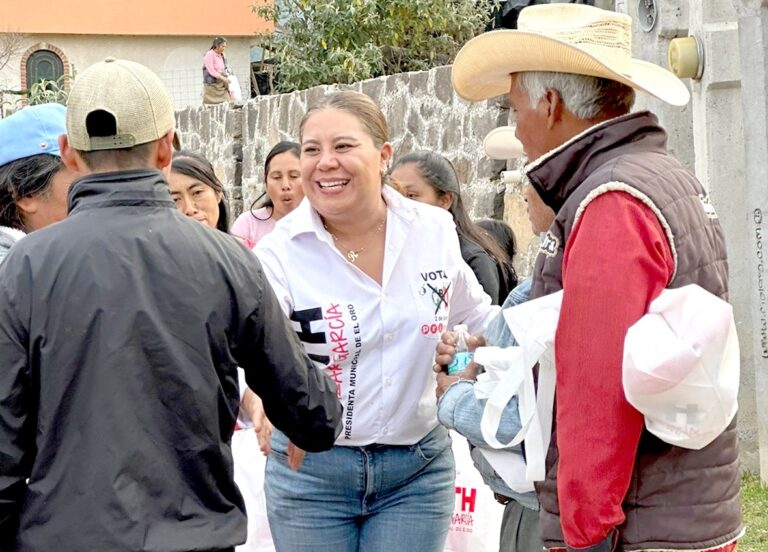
{"points": [[388, 338], [385, 430], [388, 381]]}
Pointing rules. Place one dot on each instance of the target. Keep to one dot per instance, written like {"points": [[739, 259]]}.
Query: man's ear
{"points": [[163, 154], [71, 158], [27, 206], [554, 106]]}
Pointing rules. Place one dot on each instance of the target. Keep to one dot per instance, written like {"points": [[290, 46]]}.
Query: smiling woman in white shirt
{"points": [[370, 280]]}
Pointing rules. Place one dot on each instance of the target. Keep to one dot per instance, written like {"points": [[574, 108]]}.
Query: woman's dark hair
{"points": [[441, 175], [277, 149], [27, 177], [218, 41], [502, 233], [505, 237], [194, 165]]}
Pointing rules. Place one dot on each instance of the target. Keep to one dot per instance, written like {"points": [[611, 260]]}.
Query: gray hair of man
{"points": [[584, 96]]}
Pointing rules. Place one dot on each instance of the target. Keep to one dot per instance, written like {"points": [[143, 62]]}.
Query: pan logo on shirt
{"points": [[434, 291], [549, 244]]}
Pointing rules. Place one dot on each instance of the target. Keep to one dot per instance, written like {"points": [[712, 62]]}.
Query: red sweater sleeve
{"points": [[616, 261]]}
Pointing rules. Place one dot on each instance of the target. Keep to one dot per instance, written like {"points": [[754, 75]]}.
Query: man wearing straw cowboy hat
{"points": [[630, 222]]}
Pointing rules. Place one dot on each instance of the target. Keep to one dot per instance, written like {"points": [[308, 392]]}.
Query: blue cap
{"points": [[31, 131]]}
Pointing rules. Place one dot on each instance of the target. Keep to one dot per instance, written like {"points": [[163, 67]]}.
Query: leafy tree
{"points": [[343, 41]]}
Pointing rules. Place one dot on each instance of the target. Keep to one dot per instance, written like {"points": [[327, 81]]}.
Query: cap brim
{"points": [[501, 143], [482, 68]]}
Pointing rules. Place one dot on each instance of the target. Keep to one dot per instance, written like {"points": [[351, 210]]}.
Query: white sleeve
{"points": [[276, 276], [242, 419]]}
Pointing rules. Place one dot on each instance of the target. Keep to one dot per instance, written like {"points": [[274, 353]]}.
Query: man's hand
{"points": [[254, 408], [444, 381]]}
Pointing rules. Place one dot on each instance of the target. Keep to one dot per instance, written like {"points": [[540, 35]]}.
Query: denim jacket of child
{"points": [[460, 410]]}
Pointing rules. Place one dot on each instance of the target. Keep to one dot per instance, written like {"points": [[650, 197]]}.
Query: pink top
{"points": [[251, 229], [214, 63]]}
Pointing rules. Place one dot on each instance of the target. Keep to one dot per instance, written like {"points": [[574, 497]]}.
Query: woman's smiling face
{"points": [[341, 167]]}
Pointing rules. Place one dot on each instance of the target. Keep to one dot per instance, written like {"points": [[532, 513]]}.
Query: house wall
{"points": [[135, 17], [177, 59]]}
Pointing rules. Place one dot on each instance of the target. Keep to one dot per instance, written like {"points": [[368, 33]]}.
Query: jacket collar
{"points": [[556, 174], [144, 187]]}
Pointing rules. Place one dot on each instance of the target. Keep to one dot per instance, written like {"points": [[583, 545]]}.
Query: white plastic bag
{"points": [[681, 367], [476, 519], [509, 372], [234, 89], [250, 464]]}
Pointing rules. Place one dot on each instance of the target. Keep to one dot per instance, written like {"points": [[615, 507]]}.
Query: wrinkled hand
{"points": [[295, 456], [444, 381], [254, 408]]}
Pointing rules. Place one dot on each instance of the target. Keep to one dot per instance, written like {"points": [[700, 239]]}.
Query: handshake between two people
{"points": [[445, 351]]}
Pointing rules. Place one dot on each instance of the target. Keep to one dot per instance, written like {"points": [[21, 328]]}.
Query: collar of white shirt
{"points": [[307, 220]]}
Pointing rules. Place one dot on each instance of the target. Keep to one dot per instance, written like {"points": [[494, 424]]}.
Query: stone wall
{"points": [[422, 111]]}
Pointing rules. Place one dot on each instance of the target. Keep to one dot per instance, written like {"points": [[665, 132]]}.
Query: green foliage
{"points": [[754, 501], [48, 91], [344, 41]]}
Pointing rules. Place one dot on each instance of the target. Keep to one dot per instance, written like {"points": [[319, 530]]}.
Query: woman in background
{"points": [[197, 191], [429, 177], [33, 181], [215, 73], [282, 176], [504, 236]]}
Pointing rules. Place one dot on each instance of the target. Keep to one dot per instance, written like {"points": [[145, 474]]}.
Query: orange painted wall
{"points": [[133, 17]]}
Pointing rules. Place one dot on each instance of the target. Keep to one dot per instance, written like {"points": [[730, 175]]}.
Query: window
{"points": [[44, 64]]}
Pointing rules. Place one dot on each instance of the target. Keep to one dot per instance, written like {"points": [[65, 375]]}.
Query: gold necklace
{"points": [[353, 254]]}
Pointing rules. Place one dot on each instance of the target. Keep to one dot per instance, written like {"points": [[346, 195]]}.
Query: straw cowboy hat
{"points": [[563, 38]]}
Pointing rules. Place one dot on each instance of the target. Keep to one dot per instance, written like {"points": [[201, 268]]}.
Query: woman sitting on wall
{"points": [[216, 73]]}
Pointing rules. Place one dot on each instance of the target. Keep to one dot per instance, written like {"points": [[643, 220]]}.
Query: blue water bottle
{"points": [[463, 357]]}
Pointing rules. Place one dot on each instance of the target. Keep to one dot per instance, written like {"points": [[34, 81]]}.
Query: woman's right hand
{"points": [[224, 79]]}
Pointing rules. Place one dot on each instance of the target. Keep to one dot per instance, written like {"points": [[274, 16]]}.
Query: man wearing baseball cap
{"points": [[120, 332], [631, 221]]}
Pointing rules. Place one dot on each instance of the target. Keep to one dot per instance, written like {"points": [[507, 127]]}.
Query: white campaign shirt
{"points": [[377, 342]]}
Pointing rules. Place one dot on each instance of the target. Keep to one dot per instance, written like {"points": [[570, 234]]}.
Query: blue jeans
{"points": [[377, 498]]}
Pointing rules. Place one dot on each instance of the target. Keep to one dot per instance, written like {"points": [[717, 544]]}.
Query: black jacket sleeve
{"points": [[484, 267], [299, 399], [16, 417]]}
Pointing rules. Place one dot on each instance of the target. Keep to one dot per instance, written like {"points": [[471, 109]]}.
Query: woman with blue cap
{"points": [[33, 181]]}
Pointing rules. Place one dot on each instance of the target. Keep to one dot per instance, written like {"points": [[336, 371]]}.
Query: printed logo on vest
{"points": [[709, 209], [549, 244]]}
